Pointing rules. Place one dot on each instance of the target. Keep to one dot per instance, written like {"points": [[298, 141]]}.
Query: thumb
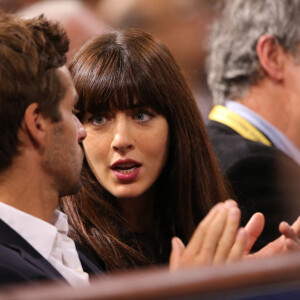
{"points": [[176, 253], [254, 228]]}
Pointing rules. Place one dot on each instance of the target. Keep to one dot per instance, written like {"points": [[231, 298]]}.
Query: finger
{"points": [[229, 235], [239, 246], [282, 244], [296, 227], [287, 231], [230, 203], [212, 237], [199, 235], [291, 245], [254, 228], [176, 253]]}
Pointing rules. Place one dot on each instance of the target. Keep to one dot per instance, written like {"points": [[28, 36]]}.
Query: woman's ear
{"points": [[271, 56], [34, 124]]}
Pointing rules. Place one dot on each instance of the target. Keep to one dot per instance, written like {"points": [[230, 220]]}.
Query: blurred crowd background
{"points": [[182, 25]]}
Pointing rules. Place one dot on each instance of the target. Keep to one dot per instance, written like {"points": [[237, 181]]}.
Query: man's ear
{"points": [[271, 56], [34, 123]]}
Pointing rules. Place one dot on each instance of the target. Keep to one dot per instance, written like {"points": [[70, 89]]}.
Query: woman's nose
{"points": [[122, 139]]}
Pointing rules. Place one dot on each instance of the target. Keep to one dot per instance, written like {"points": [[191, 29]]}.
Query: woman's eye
{"points": [[98, 120], [143, 116]]}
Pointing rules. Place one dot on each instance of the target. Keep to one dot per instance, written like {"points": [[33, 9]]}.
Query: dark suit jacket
{"points": [[20, 262], [262, 178]]}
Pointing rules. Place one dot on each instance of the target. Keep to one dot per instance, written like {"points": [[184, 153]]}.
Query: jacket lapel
{"points": [[12, 240], [89, 263]]}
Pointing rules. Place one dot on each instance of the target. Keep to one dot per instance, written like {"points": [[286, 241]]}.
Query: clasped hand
{"points": [[220, 239]]}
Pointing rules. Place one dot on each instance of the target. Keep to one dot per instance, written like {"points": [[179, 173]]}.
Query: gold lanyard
{"points": [[229, 118]]}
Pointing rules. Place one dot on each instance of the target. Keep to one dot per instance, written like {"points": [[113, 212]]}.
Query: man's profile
{"points": [[40, 154]]}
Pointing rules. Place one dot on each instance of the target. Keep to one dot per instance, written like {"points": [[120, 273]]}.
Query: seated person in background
{"points": [[149, 173], [254, 73], [40, 154]]}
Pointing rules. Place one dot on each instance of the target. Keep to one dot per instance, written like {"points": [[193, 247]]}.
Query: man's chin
{"points": [[74, 189]]}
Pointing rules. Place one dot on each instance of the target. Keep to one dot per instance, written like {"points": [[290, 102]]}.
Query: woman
{"points": [[149, 172]]}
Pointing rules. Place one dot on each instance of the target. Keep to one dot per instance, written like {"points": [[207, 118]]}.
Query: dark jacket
{"points": [[20, 262], [262, 178]]}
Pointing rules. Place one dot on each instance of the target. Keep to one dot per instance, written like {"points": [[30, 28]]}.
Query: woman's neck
{"points": [[138, 212]]}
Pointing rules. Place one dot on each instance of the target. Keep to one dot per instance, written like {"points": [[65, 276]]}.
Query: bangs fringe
{"points": [[117, 88]]}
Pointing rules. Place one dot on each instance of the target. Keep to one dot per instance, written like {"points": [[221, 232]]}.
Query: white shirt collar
{"points": [[50, 240], [38, 233]]}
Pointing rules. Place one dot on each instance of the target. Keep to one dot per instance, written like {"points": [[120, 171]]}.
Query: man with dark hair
{"points": [[253, 72], [40, 154]]}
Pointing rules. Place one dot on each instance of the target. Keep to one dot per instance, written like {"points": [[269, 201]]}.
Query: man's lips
{"points": [[126, 169]]}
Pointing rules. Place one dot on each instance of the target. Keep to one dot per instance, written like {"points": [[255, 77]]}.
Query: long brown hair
{"points": [[116, 70]]}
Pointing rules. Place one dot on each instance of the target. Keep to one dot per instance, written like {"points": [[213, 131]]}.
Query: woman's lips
{"points": [[126, 170], [129, 175]]}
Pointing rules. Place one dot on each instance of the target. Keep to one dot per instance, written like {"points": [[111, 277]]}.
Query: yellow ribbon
{"points": [[227, 117]]}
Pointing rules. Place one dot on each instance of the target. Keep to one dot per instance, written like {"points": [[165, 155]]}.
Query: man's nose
{"points": [[80, 131]]}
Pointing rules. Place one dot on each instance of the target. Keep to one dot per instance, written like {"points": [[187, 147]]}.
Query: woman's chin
{"points": [[127, 194]]}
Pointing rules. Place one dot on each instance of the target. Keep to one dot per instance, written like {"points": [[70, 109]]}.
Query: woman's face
{"points": [[126, 149]]}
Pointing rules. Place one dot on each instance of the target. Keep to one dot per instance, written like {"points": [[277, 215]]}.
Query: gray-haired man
{"points": [[254, 74]]}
